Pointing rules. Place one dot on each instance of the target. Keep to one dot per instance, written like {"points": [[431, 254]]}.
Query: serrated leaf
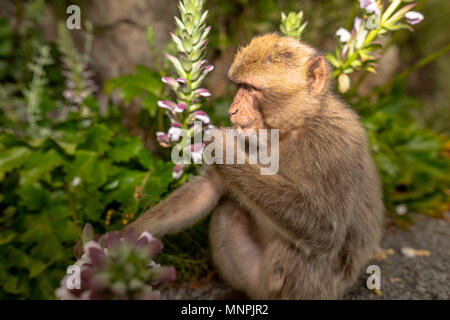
{"points": [[88, 168], [124, 150], [40, 166], [97, 139], [13, 158]]}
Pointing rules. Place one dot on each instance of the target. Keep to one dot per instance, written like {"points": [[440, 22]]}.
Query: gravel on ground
{"points": [[414, 264]]}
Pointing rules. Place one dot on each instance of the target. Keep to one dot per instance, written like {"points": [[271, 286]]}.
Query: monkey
{"points": [[307, 231]]}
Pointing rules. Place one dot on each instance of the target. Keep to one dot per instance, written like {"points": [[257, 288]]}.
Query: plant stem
{"points": [[72, 207]]}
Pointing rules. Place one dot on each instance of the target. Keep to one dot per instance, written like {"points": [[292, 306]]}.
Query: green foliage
{"points": [[145, 85], [410, 160], [49, 190], [292, 25], [6, 45], [58, 173]]}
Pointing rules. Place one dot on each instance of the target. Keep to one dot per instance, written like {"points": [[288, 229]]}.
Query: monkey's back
{"points": [[342, 210]]}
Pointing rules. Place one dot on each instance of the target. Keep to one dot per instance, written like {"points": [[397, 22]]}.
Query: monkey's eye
{"points": [[247, 87]]}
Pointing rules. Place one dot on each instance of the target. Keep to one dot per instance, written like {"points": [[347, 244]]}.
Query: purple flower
{"points": [[112, 240], [169, 105], [163, 139], [99, 278], [202, 116], [414, 17], [95, 253]]}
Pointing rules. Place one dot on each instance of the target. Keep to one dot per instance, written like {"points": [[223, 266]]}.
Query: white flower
{"points": [[357, 24], [202, 116], [343, 35], [414, 17], [76, 181], [197, 152], [370, 6], [175, 133]]}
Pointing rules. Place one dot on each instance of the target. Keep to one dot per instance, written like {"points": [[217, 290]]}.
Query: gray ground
{"points": [[402, 277]]}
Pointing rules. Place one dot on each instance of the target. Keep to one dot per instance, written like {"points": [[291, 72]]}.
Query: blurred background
{"points": [[111, 146]]}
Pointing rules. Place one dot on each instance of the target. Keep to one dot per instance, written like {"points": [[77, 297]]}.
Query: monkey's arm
{"points": [[185, 206], [291, 207]]}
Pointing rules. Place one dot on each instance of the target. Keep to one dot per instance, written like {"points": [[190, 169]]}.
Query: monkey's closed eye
{"points": [[247, 87]]}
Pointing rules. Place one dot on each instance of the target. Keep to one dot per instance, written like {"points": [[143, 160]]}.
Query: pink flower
{"points": [[175, 131], [357, 24], [197, 152], [414, 17], [163, 139], [208, 68], [202, 92], [370, 6], [95, 253], [169, 105], [172, 83], [177, 171], [181, 107], [182, 81], [202, 116]]}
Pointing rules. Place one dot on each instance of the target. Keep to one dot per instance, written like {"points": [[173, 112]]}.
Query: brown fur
{"points": [[306, 232]]}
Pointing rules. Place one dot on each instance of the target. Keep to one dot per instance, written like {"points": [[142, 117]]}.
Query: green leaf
{"points": [[88, 168], [150, 103], [128, 180], [33, 196], [124, 150], [135, 85], [97, 139], [145, 158], [40, 166], [6, 236], [13, 158]]}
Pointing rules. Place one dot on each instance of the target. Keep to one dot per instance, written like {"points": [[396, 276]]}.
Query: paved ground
{"points": [[425, 276]]}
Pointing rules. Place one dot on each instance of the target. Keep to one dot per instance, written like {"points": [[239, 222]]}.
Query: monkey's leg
{"points": [[289, 273], [236, 249]]}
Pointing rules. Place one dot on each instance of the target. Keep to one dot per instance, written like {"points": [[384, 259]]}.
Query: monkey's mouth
{"points": [[243, 126]]}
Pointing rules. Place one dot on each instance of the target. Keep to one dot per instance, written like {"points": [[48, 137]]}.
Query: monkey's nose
{"points": [[232, 112]]}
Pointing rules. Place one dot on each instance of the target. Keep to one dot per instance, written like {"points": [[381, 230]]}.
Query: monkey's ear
{"points": [[317, 74]]}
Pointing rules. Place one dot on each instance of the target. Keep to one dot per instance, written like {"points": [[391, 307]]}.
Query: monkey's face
{"points": [[278, 79], [244, 111]]}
